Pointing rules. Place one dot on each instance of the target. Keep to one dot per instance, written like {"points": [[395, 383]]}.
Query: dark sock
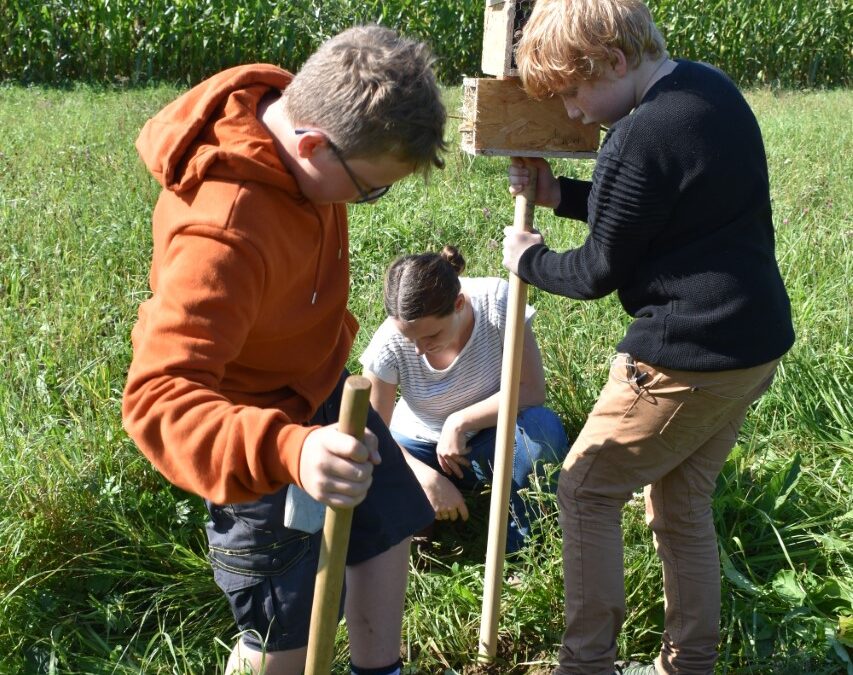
{"points": [[385, 670]]}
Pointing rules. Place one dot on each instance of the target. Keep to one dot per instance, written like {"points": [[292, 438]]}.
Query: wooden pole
{"points": [[333, 549], [504, 445]]}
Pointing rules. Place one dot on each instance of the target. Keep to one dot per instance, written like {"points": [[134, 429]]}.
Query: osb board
{"points": [[498, 118]]}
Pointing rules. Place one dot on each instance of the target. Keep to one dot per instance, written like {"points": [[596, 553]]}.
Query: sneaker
{"points": [[426, 535], [514, 581], [634, 668]]}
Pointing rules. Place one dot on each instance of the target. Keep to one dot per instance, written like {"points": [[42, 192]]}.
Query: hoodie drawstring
{"points": [[322, 246]]}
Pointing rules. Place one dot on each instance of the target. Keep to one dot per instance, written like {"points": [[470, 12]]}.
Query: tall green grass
{"points": [[102, 565], [779, 42]]}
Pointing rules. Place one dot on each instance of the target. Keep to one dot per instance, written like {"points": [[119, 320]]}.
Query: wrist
{"points": [[423, 472], [456, 422], [556, 194]]}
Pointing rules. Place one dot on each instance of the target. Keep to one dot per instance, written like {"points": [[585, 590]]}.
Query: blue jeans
{"points": [[539, 438]]}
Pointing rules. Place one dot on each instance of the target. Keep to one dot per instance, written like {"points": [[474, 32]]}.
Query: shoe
{"points": [[426, 535], [634, 668], [514, 581]]}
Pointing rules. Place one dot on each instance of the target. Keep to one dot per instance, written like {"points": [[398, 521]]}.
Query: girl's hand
{"points": [[446, 500], [451, 449]]}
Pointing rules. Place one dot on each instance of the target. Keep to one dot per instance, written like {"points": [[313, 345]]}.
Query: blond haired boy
{"points": [[239, 353], [680, 227]]}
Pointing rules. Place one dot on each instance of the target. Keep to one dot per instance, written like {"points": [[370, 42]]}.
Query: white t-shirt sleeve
{"points": [[379, 357], [499, 292]]}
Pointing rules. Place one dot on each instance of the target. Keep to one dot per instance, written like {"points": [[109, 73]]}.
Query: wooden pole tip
{"points": [[357, 383]]}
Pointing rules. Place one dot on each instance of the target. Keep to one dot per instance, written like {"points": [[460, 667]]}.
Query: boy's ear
{"points": [[309, 142], [460, 302], [618, 62]]}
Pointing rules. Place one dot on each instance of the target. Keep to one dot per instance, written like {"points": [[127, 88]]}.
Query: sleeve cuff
{"points": [[290, 451], [525, 263]]}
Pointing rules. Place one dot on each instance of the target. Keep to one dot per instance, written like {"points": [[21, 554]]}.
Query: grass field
{"points": [[102, 566]]}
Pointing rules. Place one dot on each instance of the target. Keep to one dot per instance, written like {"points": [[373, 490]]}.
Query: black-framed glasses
{"points": [[366, 196]]}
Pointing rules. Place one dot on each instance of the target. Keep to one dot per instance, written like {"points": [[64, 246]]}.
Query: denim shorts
{"points": [[267, 570]]}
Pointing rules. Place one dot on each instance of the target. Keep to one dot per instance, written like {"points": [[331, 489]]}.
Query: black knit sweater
{"points": [[680, 226]]}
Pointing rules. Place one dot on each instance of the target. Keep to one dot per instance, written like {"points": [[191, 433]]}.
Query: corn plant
{"points": [[787, 42]]}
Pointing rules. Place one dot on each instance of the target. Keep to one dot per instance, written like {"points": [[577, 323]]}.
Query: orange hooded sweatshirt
{"points": [[246, 331]]}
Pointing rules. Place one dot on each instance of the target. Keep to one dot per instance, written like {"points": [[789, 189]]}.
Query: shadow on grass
{"points": [[463, 542]]}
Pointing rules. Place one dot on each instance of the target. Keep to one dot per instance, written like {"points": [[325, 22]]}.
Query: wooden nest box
{"points": [[498, 118]]}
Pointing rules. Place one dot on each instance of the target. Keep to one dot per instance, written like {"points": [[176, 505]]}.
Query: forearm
{"points": [[203, 443], [584, 273], [484, 414], [422, 471], [530, 394], [480, 415]]}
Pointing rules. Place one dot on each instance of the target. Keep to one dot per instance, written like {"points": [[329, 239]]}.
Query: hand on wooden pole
{"points": [[333, 549]]}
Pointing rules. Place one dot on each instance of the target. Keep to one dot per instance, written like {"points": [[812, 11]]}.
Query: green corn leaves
{"points": [[779, 42]]}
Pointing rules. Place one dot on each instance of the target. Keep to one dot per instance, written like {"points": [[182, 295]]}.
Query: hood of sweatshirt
{"points": [[213, 130]]}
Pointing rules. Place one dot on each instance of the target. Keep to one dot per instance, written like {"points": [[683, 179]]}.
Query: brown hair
{"points": [[566, 40], [373, 92], [425, 284]]}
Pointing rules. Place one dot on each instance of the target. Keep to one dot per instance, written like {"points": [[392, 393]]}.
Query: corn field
{"points": [[787, 43]]}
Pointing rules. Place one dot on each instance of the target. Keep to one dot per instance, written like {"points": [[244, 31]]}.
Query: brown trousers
{"points": [[670, 431]]}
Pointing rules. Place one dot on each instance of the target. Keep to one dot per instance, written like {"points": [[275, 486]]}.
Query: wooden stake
{"points": [[504, 446], [333, 549]]}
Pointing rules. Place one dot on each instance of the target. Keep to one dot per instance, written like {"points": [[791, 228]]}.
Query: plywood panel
{"points": [[498, 118]]}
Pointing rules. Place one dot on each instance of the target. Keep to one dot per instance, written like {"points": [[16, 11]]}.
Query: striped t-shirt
{"points": [[428, 395]]}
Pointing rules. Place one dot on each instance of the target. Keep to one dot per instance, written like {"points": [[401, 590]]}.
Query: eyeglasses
{"points": [[366, 196]]}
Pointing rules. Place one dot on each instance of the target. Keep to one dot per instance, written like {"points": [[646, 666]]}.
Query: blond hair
{"points": [[570, 40], [374, 93]]}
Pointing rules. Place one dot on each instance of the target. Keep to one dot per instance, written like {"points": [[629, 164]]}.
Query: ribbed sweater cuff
{"points": [[525, 263]]}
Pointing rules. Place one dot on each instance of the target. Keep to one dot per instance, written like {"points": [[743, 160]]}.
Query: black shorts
{"points": [[267, 570]]}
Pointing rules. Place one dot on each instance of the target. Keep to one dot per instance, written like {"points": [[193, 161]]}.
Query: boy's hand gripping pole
{"points": [[333, 549], [504, 445]]}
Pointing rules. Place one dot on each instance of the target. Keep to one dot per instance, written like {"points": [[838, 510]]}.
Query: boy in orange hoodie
{"points": [[239, 354]]}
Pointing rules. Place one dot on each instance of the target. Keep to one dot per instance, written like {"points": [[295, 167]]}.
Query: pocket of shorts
{"points": [[234, 569], [264, 516]]}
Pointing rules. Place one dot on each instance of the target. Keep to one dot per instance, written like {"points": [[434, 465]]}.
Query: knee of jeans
{"points": [[680, 521], [566, 486], [576, 493], [540, 435], [684, 496]]}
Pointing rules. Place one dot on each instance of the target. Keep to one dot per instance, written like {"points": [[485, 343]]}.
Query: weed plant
{"points": [[102, 563]]}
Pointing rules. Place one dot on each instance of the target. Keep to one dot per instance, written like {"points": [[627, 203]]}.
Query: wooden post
{"points": [[505, 442], [333, 548], [498, 118], [501, 29]]}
